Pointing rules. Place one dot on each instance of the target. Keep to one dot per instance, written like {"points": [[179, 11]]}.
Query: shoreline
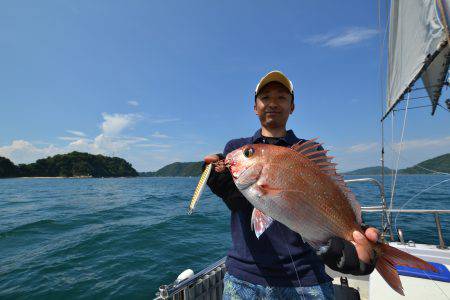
{"points": [[56, 177], [62, 177]]}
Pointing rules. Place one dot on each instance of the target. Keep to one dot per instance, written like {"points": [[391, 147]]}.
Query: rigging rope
{"points": [[419, 193], [420, 167], [399, 151], [393, 155], [395, 179]]}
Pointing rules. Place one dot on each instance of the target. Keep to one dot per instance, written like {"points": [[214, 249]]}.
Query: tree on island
{"points": [[73, 164], [8, 168]]}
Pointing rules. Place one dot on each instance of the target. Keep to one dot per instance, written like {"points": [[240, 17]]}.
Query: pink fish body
{"points": [[299, 187]]}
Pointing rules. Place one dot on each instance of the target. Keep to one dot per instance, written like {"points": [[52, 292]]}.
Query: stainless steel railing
{"points": [[435, 212], [385, 216], [206, 284], [386, 213]]}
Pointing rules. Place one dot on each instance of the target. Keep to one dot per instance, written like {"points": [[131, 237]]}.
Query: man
{"points": [[278, 265]]}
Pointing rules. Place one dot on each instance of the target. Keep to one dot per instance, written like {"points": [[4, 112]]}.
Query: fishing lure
{"points": [[200, 187]]}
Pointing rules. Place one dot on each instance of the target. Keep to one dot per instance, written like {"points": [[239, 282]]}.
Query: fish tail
{"points": [[390, 257]]}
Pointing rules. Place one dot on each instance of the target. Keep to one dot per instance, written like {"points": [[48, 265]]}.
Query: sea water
{"points": [[123, 237]]}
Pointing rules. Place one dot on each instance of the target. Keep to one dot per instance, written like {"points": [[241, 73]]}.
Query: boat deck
{"points": [[374, 287]]}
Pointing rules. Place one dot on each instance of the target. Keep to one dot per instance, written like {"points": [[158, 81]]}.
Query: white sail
{"points": [[434, 76], [416, 37]]}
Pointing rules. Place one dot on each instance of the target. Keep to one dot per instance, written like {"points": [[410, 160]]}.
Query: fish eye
{"points": [[248, 152]]}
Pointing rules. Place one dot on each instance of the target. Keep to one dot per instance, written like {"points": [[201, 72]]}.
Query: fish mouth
{"points": [[237, 174], [230, 163], [239, 183], [246, 177]]}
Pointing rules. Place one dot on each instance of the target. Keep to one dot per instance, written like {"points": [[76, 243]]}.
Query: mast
{"points": [[380, 70]]}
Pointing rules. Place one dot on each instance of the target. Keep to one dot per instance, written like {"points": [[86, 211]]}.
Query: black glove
{"points": [[340, 255], [222, 185]]}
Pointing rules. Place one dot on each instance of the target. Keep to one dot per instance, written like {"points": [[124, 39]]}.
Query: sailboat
{"points": [[418, 51]]}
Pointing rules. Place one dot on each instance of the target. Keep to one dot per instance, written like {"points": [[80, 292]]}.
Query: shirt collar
{"points": [[290, 137]]}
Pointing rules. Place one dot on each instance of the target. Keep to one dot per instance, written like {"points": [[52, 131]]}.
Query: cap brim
{"points": [[276, 76]]}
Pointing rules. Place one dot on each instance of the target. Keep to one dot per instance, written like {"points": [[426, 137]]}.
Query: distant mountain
{"points": [[185, 169], [74, 164], [369, 171], [177, 169], [440, 164]]}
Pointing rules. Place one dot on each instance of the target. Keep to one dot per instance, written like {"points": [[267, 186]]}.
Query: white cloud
{"points": [[159, 135], [164, 120], [424, 144], [21, 151], [155, 145], [347, 37], [115, 124], [85, 145], [68, 138], [133, 103], [358, 148], [76, 132], [110, 140]]}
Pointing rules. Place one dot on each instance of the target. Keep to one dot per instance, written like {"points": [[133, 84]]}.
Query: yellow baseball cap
{"points": [[276, 76]]}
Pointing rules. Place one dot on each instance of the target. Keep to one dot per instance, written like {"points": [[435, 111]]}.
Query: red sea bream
{"points": [[299, 187]]}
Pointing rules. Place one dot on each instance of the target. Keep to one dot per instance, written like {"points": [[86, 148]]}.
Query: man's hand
{"points": [[362, 243], [357, 258], [217, 161]]}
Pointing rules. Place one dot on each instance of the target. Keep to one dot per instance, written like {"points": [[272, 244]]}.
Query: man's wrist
{"points": [[341, 255]]}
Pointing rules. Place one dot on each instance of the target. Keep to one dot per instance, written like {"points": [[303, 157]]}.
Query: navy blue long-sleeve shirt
{"points": [[279, 257]]}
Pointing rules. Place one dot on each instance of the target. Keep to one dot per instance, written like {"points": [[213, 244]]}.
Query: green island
{"points": [[369, 171], [74, 164], [177, 169], [438, 164], [78, 164], [193, 169]]}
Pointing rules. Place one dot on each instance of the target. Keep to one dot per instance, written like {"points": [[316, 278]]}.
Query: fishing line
{"points": [[435, 284], [292, 260]]}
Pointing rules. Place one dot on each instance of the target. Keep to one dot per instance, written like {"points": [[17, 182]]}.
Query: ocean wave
{"points": [[30, 227]]}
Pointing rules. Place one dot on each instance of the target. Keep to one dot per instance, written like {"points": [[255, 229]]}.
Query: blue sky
{"points": [[161, 81]]}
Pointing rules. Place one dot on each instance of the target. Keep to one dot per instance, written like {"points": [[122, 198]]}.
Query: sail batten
{"points": [[417, 48]]}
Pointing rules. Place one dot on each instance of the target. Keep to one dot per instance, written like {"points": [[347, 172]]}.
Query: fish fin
{"points": [[390, 257], [389, 273], [260, 222], [402, 258], [310, 150], [305, 147]]}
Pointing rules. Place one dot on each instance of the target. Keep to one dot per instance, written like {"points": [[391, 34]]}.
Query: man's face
{"points": [[273, 105]]}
